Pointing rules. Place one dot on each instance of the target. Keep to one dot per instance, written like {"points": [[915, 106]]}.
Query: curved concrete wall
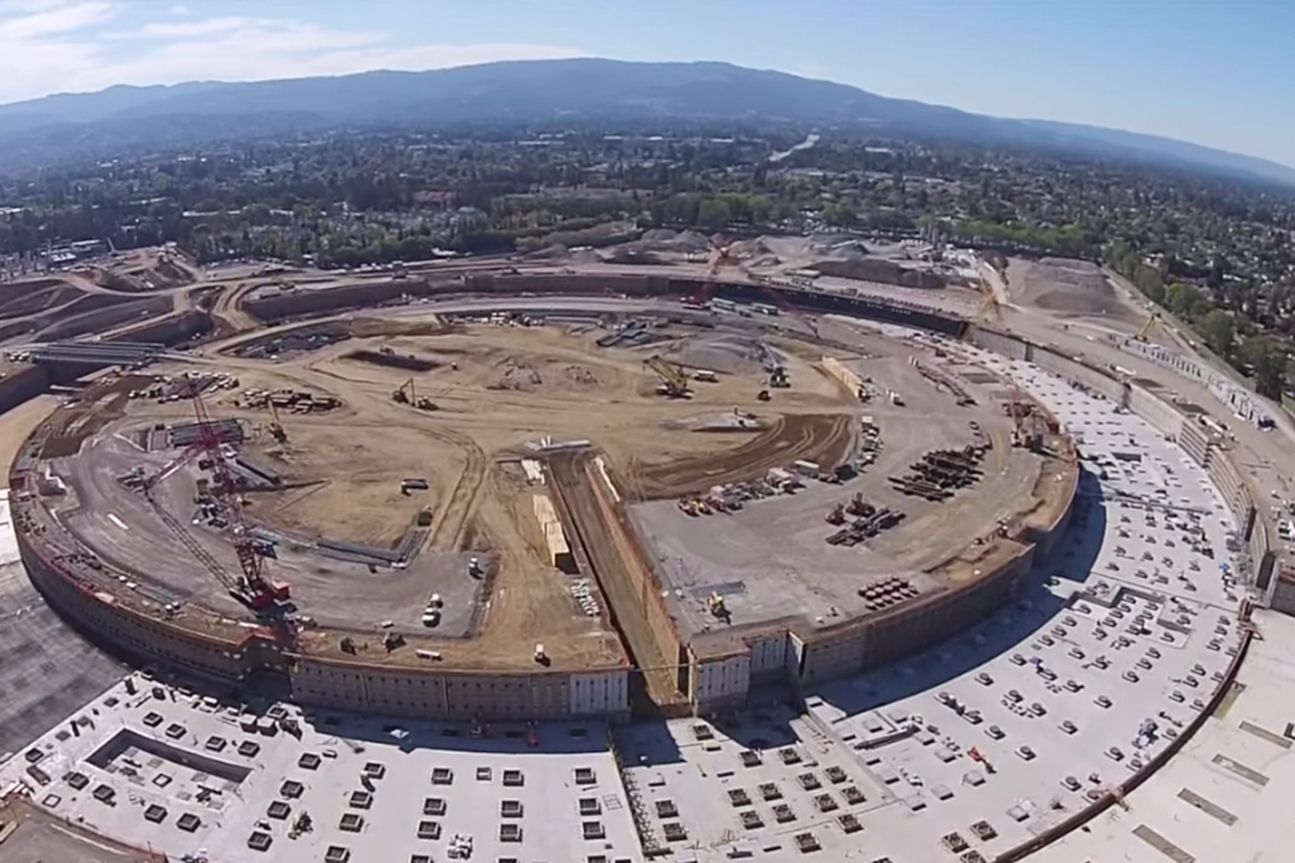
{"points": [[450, 283], [22, 384], [323, 682]]}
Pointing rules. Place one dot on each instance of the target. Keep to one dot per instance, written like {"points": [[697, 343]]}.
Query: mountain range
{"points": [[548, 91]]}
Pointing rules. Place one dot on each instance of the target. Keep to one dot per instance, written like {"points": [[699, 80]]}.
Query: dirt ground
{"points": [[16, 426], [1064, 288], [496, 388]]}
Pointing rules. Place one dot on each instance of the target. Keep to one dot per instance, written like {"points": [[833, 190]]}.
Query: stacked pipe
{"points": [[939, 473]]}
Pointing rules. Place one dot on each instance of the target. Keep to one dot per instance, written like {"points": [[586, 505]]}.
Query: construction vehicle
{"points": [[1145, 331], [990, 309], [1018, 409], [721, 255], [836, 515], [673, 377], [715, 603], [763, 395], [778, 378], [277, 430], [860, 507], [975, 755], [406, 395]]}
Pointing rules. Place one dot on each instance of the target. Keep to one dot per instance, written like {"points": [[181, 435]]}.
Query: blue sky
{"points": [[1220, 73]]}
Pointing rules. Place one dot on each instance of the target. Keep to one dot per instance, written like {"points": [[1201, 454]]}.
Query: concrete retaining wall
{"points": [[875, 641], [21, 384], [998, 343], [451, 283], [321, 682], [1162, 415]]}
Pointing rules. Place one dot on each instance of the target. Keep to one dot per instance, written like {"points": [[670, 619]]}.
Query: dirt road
{"points": [[820, 438]]}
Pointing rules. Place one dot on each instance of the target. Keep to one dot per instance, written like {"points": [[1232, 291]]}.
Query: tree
{"points": [[1149, 282], [1267, 356], [1219, 331], [713, 213], [1182, 299]]}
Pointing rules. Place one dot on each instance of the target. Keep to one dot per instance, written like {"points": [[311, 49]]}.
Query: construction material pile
{"points": [[943, 381], [941, 472], [869, 521], [515, 373], [888, 592], [293, 400]]}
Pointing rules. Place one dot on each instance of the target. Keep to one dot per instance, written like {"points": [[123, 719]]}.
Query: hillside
{"points": [[542, 91]]}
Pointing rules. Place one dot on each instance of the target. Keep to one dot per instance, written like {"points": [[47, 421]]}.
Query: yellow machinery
{"points": [[1150, 325], [674, 379], [404, 394], [277, 430], [718, 608], [990, 309]]}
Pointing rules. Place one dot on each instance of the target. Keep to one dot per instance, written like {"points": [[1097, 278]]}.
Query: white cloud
{"points": [[34, 23], [47, 46], [186, 29]]}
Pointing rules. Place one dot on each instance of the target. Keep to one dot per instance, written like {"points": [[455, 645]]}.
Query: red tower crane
{"points": [[721, 256], [253, 588], [261, 593]]}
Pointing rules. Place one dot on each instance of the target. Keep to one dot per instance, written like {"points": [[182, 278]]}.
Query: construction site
{"points": [[531, 493], [717, 568]]}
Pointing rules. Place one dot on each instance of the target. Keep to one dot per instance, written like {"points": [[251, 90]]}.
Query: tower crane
{"points": [[722, 256], [254, 587]]}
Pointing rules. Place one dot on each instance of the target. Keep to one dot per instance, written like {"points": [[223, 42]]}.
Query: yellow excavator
{"points": [[990, 309], [673, 377], [277, 431], [1142, 334], [405, 395]]}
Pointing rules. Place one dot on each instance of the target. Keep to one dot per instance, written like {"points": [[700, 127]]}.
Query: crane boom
{"points": [[1147, 327], [722, 256], [674, 380], [262, 594], [196, 548]]}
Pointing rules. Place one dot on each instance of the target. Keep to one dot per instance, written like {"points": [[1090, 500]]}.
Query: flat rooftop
{"points": [[1099, 647], [180, 772]]}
